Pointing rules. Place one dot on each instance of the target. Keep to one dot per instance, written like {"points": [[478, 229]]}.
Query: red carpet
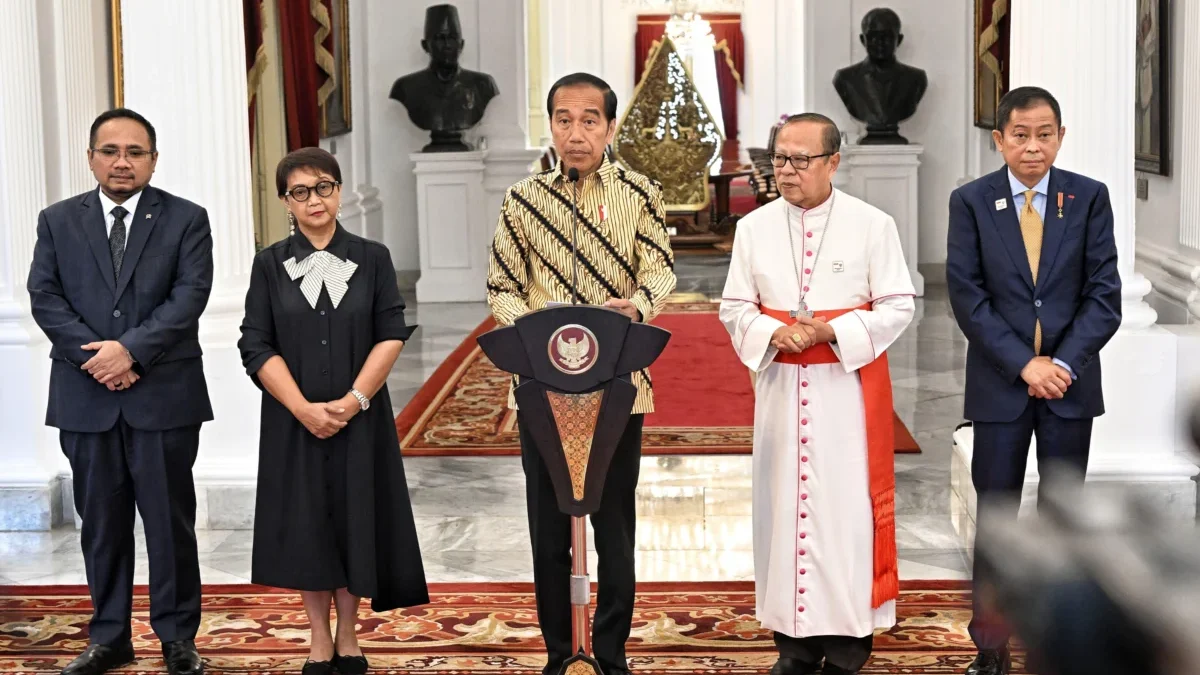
{"points": [[703, 399], [678, 628]]}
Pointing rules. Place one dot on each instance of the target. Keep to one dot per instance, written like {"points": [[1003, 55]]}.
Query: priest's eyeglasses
{"points": [[799, 162], [301, 193]]}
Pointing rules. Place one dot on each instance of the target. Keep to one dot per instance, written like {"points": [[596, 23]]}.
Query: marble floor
{"points": [[693, 512]]}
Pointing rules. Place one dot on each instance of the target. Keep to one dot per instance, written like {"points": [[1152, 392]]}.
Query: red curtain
{"points": [[727, 30], [256, 54], [297, 37]]}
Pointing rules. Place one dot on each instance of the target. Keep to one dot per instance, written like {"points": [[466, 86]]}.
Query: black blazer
{"points": [[153, 309], [1077, 296]]}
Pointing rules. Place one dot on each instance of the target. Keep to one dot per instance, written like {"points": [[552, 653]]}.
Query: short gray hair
{"points": [[831, 136]]}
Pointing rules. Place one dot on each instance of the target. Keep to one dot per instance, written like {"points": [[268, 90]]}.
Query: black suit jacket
{"points": [[153, 309], [1077, 296]]}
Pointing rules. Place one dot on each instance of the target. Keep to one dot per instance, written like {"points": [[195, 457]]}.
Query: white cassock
{"points": [[813, 524]]}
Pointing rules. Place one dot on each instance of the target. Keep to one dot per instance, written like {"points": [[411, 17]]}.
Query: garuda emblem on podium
{"points": [[573, 349]]}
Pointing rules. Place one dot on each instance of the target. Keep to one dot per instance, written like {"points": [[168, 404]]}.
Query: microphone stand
{"points": [[573, 177]]}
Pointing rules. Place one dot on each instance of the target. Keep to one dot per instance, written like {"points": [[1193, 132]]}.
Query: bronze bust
{"points": [[879, 90], [444, 99]]}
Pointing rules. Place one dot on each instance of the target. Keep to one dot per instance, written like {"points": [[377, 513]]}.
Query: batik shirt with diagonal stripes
{"points": [[624, 249]]}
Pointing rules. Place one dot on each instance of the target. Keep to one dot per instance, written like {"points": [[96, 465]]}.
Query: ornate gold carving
{"points": [[668, 133], [581, 667], [576, 415]]}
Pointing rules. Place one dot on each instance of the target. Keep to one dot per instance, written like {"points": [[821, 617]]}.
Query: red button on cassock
{"points": [[807, 271], [803, 459], [809, 254], [803, 497], [803, 384], [803, 477], [805, 422], [810, 235], [803, 441], [803, 515], [806, 288], [800, 608], [804, 535], [804, 401], [802, 591], [803, 571]]}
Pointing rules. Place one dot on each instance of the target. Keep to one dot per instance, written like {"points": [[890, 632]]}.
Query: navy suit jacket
{"points": [[1077, 296], [153, 310]]}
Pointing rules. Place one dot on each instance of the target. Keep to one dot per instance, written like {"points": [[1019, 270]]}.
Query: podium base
{"points": [[580, 664]]}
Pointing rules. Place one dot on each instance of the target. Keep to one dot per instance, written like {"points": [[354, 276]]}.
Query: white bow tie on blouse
{"points": [[321, 268]]}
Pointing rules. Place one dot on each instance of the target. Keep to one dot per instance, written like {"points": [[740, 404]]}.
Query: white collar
{"points": [[130, 204]]}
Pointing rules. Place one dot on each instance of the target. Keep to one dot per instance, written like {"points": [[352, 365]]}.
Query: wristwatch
{"points": [[363, 401]]}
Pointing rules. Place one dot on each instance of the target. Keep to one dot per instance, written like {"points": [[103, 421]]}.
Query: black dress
{"points": [[331, 513]]}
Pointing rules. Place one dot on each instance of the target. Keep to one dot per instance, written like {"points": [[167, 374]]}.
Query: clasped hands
{"points": [[1045, 378], [801, 335], [111, 366], [323, 420]]}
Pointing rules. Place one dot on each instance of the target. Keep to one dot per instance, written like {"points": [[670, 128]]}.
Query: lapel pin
{"points": [[839, 265], [1001, 204], [147, 216], [1060, 205]]}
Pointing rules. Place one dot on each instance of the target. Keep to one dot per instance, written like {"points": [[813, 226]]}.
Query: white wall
{"points": [[395, 29], [937, 38]]}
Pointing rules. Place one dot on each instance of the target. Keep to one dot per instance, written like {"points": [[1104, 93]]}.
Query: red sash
{"points": [[877, 403]]}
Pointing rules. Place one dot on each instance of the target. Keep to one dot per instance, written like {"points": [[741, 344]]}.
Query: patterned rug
{"points": [[703, 397], [678, 628]]}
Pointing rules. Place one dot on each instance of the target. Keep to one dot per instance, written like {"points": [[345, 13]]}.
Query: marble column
{"points": [[362, 211], [1188, 126], [1088, 65], [27, 465], [509, 158], [186, 73]]}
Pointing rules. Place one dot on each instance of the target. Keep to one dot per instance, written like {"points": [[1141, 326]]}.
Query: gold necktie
{"points": [[1031, 232]]}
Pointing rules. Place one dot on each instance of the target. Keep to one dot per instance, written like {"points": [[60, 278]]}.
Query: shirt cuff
{"points": [[1065, 367]]}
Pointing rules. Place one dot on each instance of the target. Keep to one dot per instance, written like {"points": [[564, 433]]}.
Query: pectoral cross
{"points": [[804, 310]]}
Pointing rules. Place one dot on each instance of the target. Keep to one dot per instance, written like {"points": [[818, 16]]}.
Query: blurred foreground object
{"points": [[1097, 583]]}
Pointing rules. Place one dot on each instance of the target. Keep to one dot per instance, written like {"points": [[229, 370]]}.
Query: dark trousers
{"points": [[113, 471], [998, 470], [841, 651], [613, 526]]}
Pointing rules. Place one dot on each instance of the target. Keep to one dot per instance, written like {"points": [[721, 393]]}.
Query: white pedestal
{"points": [[453, 226], [885, 176]]}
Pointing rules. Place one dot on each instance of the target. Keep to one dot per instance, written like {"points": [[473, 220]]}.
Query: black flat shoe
{"points": [[99, 659], [350, 665], [991, 662], [318, 668], [182, 658]]}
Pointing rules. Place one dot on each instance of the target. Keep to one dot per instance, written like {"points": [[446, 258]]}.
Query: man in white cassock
{"points": [[817, 291]]}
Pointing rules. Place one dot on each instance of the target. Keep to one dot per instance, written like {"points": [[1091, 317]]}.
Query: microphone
{"points": [[573, 177]]}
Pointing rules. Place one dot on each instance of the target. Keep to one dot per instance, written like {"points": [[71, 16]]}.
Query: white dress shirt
{"points": [[130, 205]]}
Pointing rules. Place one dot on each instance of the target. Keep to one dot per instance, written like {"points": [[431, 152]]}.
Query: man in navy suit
{"points": [[120, 276], [1031, 266]]}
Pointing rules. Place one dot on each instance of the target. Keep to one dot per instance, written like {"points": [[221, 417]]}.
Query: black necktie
{"points": [[116, 239]]}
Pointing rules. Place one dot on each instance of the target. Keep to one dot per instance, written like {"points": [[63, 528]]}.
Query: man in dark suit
{"points": [[120, 276], [1031, 266]]}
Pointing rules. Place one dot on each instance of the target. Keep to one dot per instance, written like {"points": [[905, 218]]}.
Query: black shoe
{"points": [[182, 658], [991, 662], [98, 659], [788, 666], [318, 668], [350, 665]]}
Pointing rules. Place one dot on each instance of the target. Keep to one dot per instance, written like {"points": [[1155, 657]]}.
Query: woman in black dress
{"points": [[324, 325]]}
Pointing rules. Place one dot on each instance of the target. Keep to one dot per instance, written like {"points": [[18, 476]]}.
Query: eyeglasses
{"points": [[301, 193], [799, 162], [134, 155]]}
